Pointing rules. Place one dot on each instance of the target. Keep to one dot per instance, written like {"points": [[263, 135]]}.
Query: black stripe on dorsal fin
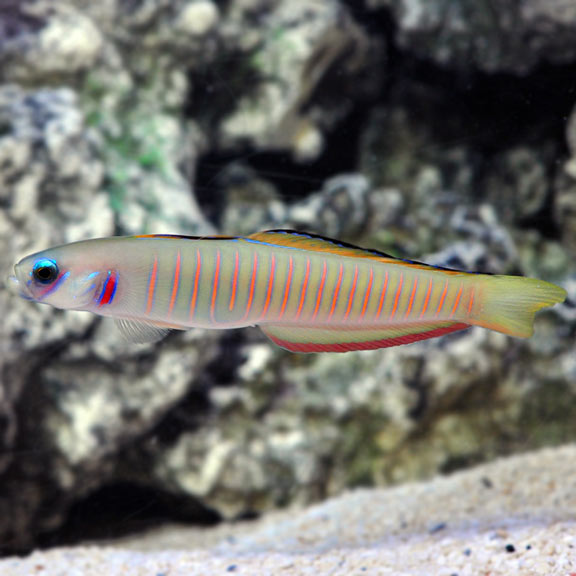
{"points": [[184, 237]]}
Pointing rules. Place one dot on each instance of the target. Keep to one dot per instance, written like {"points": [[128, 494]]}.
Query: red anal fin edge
{"points": [[311, 347]]}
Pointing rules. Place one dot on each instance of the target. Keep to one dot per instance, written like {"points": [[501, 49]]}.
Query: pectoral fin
{"points": [[143, 332]]}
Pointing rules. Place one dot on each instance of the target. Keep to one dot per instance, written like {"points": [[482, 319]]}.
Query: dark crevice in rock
{"points": [[294, 180], [488, 116], [195, 408], [377, 22], [492, 112], [338, 94], [16, 21], [543, 220], [188, 416], [213, 93], [456, 463], [421, 391], [121, 509], [222, 370]]}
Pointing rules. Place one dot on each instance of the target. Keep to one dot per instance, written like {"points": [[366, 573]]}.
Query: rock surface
{"points": [[430, 130], [60, 439]]}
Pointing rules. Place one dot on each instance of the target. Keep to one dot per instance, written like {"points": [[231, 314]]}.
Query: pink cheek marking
{"points": [[54, 286]]}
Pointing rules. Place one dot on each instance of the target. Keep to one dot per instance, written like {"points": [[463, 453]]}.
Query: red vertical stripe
{"points": [[287, 289], [304, 288], [458, 296], [336, 292], [442, 298], [175, 284], [471, 302], [215, 286], [152, 286], [270, 284], [252, 283], [409, 309], [397, 298], [320, 291], [382, 295], [196, 279], [427, 299], [352, 291], [367, 295], [234, 283]]}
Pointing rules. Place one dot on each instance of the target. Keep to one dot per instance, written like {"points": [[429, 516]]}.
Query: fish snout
{"points": [[16, 286]]}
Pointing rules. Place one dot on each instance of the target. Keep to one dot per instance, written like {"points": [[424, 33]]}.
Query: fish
{"points": [[306, 292]]}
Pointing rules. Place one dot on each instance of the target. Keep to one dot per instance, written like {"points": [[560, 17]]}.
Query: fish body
{"points": [[306, 292]]}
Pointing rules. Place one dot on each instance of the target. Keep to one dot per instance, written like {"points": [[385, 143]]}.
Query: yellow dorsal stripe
{"points": [[313, 243]]}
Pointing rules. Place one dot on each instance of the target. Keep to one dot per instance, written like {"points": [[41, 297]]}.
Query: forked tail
{"points": [[509, 303]]}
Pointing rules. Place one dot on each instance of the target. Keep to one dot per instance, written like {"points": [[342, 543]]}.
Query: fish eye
{"points": [[45, 271]]}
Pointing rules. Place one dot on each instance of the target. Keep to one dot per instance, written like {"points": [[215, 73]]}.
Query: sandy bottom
{"points": [[516, 516]]}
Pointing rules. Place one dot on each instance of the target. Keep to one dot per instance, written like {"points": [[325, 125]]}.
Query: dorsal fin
{"points": [[317, 243]]}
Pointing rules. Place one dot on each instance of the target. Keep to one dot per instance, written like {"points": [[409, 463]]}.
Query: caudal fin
{"points": [[509, 303]]}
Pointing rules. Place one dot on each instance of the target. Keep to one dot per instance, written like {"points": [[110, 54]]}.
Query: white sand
{"points": [[515, 516]]}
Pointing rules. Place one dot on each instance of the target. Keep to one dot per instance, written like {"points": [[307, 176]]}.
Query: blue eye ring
{"points": [[45, 271]]}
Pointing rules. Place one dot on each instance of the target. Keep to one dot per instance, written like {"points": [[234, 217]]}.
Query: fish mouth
{"points": [[16, 287]]}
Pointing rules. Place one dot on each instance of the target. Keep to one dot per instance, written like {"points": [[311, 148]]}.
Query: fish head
{"points": [[60, 277]]}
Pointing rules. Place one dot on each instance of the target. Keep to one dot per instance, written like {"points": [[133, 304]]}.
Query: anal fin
{"points": [[306, 339]]}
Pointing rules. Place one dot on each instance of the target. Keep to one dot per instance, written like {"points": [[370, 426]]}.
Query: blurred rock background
{"points": [[434, 129]]}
